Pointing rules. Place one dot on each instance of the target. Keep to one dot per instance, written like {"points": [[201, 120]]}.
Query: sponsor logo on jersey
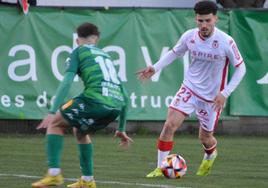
{"points": [[204, 55]]}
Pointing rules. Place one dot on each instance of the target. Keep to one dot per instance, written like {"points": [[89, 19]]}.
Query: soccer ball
{"points": [[174, 166]]}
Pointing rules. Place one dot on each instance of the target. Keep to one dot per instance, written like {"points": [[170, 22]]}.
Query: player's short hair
{"points": [[205, 7], [87, 29]]}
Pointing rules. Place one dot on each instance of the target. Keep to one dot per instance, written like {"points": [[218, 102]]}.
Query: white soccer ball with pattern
{"points": [[174, 166]]}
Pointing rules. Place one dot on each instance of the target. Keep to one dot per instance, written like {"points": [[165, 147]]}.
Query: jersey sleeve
{"points": [[237, 61], [164, 61], [237, 77], [178, 51], [181, 47], [233, 54], [123, 113], [72, 62], [62, 91]]}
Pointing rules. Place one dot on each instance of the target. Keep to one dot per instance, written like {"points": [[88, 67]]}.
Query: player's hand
{"points": [[145, 73], [125, 139], [219, 102], [46, 121]]}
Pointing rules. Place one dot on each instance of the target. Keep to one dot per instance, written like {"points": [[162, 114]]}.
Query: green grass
{"points": [[242, 162]]}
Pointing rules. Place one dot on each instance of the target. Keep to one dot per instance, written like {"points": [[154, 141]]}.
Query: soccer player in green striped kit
{"points": [[102, 101]]}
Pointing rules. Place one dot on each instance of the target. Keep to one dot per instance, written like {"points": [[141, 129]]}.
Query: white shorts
{"points": [[186, 101]]}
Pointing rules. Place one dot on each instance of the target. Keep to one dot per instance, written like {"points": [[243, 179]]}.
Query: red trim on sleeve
{"points": [[165, 145], [174, 52], [224, 74], [239, 64]]}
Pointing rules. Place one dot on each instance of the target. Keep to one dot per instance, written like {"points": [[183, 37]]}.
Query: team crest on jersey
{"points": [[215, 44]]}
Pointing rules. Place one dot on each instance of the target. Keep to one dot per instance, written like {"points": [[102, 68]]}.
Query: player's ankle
{"points": [[87, 178], [54, 171]]}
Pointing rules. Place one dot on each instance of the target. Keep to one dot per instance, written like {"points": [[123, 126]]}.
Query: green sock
{"points": [[54, 147], [86, 159]]}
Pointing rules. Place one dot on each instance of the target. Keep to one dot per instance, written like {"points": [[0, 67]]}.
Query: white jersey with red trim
{"points": [[209, 59]]}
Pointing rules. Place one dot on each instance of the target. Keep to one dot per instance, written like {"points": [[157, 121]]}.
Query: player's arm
{"points": [[237, 77], [178, 51], [61, 94], [125, 139], [123, 113], [65, 85], [62, 91], [236, 60], [165, 60]]}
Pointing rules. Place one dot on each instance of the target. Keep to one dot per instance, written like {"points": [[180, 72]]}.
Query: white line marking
{"points": [[99, 181]]}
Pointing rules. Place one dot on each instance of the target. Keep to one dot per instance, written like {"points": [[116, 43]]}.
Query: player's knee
{"points": [[54, 129]]}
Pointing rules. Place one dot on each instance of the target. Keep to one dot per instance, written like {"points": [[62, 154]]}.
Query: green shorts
{"points": [[88, 116]]}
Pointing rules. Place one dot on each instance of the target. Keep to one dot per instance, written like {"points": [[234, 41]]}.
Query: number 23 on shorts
{"points": [[184, 94]]}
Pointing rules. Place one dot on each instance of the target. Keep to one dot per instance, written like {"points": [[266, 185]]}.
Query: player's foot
{"points": [[48, 181], [83, 184], [156, 173], [206, 165]]}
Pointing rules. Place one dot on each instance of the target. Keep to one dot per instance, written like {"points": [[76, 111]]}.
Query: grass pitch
{"points": [[242, 162]]}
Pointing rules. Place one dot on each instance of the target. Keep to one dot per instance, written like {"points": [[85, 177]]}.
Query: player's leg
{"points": [[181, 105], [85, 149], [54, 146], [210, 153], [165, 141], [208, 119], [90, 118]]}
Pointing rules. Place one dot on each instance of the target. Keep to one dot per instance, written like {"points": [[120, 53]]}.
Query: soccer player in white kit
{"points": [[204, 89]]}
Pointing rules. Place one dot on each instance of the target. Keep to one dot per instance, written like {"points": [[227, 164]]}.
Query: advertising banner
{"points": [[34, 48]]}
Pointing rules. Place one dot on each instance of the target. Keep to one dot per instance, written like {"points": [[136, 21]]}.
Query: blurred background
{"points": [[38, 35]]}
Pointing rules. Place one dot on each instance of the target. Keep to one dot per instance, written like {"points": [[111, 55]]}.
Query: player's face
{"points": [[206, 23]]}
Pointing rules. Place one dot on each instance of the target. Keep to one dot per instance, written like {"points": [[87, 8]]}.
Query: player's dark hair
{"points": [[205, 7], [87, 29]]}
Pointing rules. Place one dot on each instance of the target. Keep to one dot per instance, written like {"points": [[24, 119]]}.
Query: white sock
{"points": [[161, 156], [87, 178], [54, 171], [211, 156]]}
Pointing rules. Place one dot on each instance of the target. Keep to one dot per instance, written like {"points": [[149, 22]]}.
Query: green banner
{"points": [[34, 48], [250, 30]]}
